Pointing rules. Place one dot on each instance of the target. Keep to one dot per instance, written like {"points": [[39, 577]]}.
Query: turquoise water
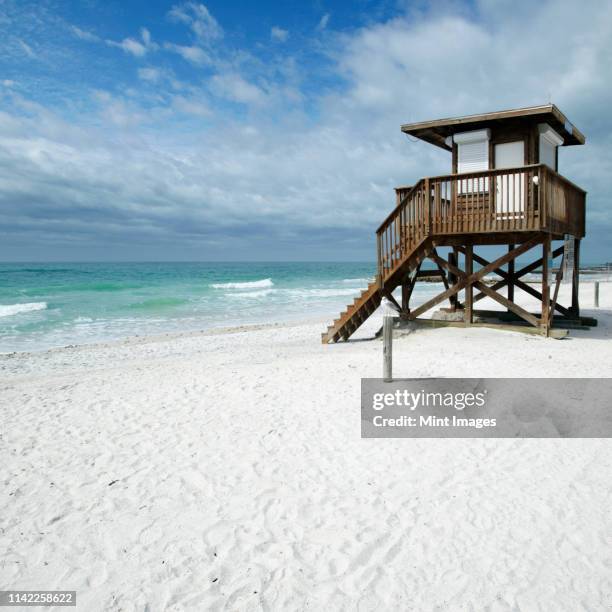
{"points": [[49, 305]]}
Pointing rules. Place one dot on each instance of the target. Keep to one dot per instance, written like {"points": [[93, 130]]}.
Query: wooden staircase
{"points": [[369, 299], [354, 315]]}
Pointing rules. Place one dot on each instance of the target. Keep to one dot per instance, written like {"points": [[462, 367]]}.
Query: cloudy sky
{"points": [[153, 130]]}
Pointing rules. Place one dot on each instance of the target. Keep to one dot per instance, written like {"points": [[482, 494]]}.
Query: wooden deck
{"points": [[487, 203]]}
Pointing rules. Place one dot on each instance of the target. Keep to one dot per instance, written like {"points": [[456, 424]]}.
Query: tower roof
{"points": [[436, 131]]}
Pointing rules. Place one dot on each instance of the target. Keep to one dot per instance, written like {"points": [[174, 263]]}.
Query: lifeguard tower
{"points": [[505, 189]]}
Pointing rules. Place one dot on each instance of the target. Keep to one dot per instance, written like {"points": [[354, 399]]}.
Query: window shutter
{"points": [[473, 156]]}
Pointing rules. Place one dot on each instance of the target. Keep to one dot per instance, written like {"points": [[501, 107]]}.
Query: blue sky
{"points": [[268, 130]]}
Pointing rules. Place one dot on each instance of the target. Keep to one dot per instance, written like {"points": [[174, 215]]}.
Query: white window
{"points": [[472, 156], [510, 187], [549, 141]]}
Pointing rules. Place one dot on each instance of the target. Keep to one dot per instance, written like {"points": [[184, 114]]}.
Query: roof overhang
{"points": [[437, 131]]}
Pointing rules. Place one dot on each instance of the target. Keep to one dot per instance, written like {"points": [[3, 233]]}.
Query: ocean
{"points": [[50, 305]]}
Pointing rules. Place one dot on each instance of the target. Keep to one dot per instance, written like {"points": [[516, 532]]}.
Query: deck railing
{"points": [[526, 198]]}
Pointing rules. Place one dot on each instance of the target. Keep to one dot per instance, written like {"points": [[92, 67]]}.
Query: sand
{"points": [[212, 471]]}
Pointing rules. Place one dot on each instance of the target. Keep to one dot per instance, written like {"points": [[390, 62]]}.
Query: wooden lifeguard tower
{"points": [[505, 189]]}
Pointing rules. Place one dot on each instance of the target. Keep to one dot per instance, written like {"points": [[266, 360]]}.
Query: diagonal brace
{"points": [[465, 280]]}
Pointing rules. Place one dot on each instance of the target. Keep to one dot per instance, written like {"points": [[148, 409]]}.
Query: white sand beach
{"points": [[225, 471]]}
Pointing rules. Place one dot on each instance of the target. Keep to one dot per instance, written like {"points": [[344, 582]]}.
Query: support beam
{"points": [[452, 278], [406, 296], [432, 274], [544, 321], [575, 307], [534, 265], [444, 276], [408, 287], [440, 269], [553, 303], [435, 301], [465, 280], [511, 276], [536, 294], [469, 290], [454, 272], [515, 308], [580, 323], [390, 297], [520, 328], [495, 266], [516, 279]]}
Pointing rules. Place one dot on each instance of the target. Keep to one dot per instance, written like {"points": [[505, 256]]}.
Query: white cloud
{"points": [[191, 106], [323, 22], [130, 45], [234, 87], [146, 37], [8, 83], [117, 111], [199, 19], [138, 48], [84, 34], [195, 55], [278, 34], [26, 49], [152, 75]]}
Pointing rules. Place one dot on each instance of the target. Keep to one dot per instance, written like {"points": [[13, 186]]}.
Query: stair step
{"points": [[356, 313]]}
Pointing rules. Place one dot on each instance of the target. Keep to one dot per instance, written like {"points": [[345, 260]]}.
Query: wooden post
{"points": [[452, 279], [427, 204], [511, 275], [379, 263], [575, 307], [406, 295], [388, 347], [469, 290], [544, 322], [596, 297]]}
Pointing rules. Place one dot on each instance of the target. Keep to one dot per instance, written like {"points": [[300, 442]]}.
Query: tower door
{"points": [[510, 189]]}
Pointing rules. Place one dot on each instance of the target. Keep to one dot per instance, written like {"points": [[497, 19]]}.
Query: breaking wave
{"points": [[266, 283], [7, 310], [364, 281]]}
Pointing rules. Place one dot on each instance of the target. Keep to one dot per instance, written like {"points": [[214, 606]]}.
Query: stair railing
{"points": [[401, 230]]}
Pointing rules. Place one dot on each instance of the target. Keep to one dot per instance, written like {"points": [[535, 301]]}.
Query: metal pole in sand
{"points": [[388, 347], [596, 294]]}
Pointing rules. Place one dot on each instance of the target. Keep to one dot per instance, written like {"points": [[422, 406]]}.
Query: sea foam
{"points": [[322, 293], [255, 294], [7, 310], [357, 280], [265, 283]]}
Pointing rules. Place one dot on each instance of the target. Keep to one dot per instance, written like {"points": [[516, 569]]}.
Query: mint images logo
{"points": [[486, 407]]}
